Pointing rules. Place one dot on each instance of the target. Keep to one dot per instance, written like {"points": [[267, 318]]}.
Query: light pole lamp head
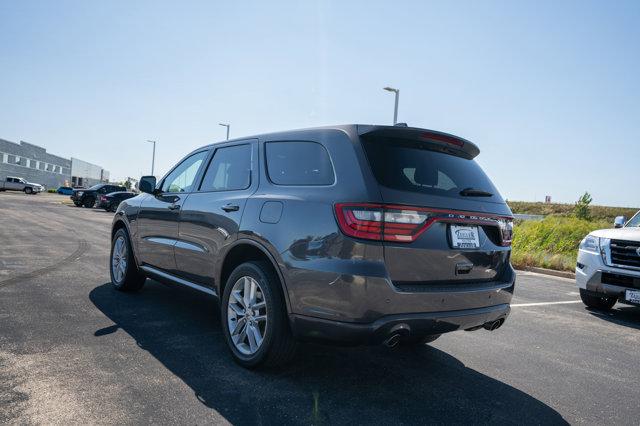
{"points": [[390, 89]]}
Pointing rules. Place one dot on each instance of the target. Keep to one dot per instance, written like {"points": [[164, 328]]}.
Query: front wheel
{"points": [[88, 202], [28, 190], [125, 275], [254, 317], [597, 302]]}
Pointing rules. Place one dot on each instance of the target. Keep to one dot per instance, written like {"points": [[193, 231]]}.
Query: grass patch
{"points": [[552, 242]]}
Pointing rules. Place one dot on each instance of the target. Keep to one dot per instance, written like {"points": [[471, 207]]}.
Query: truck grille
{"points": [[625, 253], [621, 280]]}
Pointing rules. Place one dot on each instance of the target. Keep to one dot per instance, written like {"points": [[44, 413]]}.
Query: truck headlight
{"points": [[590, 244]]}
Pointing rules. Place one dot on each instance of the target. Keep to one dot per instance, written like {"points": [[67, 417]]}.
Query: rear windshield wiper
{"points": [[473, 192]]}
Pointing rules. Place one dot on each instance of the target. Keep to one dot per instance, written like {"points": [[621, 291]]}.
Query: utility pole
{"points": [[395, 110], [227, 125], [153, 158]]}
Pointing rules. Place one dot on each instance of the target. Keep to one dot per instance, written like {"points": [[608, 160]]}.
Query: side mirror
{"points": [[147, 184], [619, 221]]}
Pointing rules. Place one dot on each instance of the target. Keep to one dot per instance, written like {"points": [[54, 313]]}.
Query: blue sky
{"points": [[550, 91]]}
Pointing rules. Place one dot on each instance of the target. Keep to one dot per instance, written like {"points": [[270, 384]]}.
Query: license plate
{"points": [[632, 296], [464, 236]]}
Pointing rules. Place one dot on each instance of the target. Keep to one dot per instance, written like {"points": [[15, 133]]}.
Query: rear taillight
{"points": [[506, 231], [103, 198], [382, 222], [379, 222]]}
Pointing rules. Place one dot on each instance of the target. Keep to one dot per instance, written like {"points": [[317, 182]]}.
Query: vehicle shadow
{"points": [[625, 315], [323, 384]]}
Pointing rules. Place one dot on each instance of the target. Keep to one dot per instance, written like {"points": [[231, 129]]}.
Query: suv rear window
{"points": [[409, 165], [298, 163]]}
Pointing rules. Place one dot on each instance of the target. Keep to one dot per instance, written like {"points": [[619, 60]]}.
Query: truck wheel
{"points": [[254, 317], [598, 302], [28, 190], [125, 274], [88, 202]]}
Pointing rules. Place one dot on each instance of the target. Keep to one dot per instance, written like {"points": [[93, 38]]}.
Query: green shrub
{"points": [[552, 242], [581, 209], [52, 191]]}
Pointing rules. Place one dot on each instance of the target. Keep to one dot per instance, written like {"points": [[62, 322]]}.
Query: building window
{"points": [[17, 160]]}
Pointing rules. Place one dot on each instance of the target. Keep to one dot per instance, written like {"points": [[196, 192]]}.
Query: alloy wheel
{"points": [[247, 315], [119, 259]]}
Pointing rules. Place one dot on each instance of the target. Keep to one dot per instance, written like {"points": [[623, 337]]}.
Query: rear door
{"points": [[210, 217], [443, 217], [159, 214]]}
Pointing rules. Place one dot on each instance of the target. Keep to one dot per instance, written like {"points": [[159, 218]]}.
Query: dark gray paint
{"points": [[325, 275]]}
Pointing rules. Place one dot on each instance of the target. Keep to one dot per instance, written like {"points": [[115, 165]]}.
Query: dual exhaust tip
{"points": [[394, 338]]}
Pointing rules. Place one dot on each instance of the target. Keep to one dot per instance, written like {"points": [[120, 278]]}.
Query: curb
{"points": [[552, 272]]}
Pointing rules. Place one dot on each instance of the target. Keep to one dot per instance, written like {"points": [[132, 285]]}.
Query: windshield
{"points": [[634, 222], [94, 187], [409, 165]]}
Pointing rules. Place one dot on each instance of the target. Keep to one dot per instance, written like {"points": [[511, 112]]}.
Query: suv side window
{"points": [[181, 179], [229, 170], [298, 163]]}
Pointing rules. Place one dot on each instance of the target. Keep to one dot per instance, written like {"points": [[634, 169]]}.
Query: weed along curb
{"points": [[545, 271]]}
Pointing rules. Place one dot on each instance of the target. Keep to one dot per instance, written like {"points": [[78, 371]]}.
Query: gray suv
{"points": [[352, 234]]}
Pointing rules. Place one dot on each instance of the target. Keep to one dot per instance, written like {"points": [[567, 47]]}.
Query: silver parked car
{"points": [[18, 184]]}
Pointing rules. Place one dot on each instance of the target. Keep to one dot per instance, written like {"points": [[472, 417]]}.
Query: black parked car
{"points": [[111, 201], [352, 234], [88, 197]]}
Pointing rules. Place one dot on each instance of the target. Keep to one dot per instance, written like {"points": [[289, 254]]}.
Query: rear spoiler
{"points": [[453, 144]]}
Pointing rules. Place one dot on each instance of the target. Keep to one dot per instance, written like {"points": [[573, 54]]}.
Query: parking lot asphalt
{"points": [[74, 350]]}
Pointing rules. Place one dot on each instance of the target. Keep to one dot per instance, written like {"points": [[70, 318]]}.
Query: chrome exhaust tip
{"points": [[493, 325], [392, 341]]}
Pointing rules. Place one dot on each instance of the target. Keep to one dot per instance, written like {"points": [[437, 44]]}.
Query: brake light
{"points": [[103, 198], [506, 231], [381, 222]]}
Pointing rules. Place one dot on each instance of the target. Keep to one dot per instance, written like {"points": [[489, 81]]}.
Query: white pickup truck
{"points": [[608, 266], [18, 184]]}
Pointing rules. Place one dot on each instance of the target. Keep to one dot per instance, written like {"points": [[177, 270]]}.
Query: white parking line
{"points": [[517, 305]]}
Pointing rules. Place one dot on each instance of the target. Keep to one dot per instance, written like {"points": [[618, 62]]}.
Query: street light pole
{"points": [[153, 159], [395, 110], [227, 125]]}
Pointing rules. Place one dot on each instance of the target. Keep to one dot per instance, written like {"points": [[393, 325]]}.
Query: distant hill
{"points": [[597, 212]]}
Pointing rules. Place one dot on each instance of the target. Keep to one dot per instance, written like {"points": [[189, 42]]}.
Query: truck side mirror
{"points": [[619, 221], [147, 184]]}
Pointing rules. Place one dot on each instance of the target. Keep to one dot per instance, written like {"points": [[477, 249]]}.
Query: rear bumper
{"points": [[419, 324]]}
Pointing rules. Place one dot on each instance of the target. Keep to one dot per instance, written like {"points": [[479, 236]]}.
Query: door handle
{"points": [[230, 208], [174, 207]]}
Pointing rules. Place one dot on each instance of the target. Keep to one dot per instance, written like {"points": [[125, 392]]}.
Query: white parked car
{"points": [[608, 266]]}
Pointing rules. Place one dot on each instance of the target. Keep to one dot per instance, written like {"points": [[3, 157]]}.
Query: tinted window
{"points": [[410, 166], [298, 163], [181, 179], [229, 170]]}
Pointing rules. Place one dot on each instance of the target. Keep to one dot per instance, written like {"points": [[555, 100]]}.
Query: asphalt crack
{"points": [[82, 249]]}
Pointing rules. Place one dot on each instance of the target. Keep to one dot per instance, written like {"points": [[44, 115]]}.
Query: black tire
{"points": [[113, 207], [132, 279], [278, 345], [28, 190], [590, 300], [77, 204], [88, 202]]}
